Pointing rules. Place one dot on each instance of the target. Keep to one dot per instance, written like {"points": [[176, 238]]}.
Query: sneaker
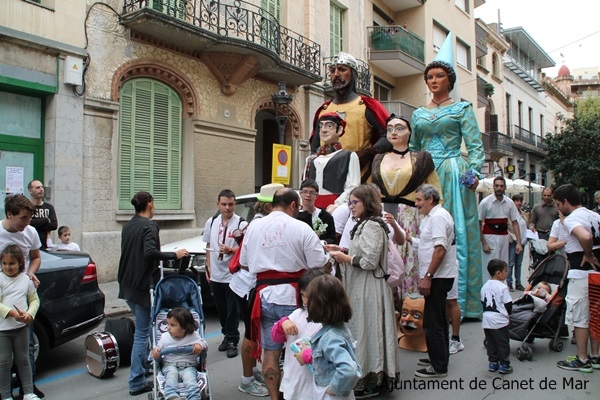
{"points": [[232, 350], [429, 372], [575, 364], [510, 288], [426, 362], [493, 366], [40, 395], [520, 287], [505, 369], [148, 388], [595, 362], [254, 388], [223, 345], [365, 393], [260, 378], [456, 346]]}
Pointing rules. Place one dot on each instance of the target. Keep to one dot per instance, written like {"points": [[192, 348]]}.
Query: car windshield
{"points": [[245, 208]]}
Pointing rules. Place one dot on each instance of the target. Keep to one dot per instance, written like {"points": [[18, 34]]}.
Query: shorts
{"points": [[453, 293], [578, 303], [270, 314]]}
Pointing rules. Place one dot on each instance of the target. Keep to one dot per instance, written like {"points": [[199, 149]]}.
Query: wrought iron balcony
{"points": [[396, 50], [363, 84], [497, 145], [482, 98], [528, 141], [480, 41], [206, 27]]}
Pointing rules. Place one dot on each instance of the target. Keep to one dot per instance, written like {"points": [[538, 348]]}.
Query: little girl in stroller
{"points": [[540, 313], [178, 331], [182, 331]]}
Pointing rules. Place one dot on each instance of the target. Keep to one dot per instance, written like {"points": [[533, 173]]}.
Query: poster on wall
{"points": [[14, 180]]}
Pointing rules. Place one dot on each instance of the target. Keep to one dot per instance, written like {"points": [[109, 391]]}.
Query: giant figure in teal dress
{"points": [[440, 131]]}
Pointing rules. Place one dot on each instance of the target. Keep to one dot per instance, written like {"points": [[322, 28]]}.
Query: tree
{"points": [[574, 153]]}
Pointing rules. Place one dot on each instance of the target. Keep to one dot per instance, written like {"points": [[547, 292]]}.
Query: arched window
{"points": [[495, 65], [150, 136]]}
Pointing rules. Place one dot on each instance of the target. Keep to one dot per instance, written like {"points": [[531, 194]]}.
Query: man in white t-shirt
{"points": [[15, 229], [278, 249], [221, 245], [496, 211], [583, 252], [438, 267]]}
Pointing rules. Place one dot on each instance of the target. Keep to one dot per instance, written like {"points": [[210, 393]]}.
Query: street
{"points": [[63, 374]]}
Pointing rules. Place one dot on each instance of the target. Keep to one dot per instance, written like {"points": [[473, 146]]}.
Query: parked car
{"points": [[71, 302], [194, 266]]}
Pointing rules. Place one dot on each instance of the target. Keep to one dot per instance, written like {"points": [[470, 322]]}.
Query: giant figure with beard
{"points": [[365, 117]]}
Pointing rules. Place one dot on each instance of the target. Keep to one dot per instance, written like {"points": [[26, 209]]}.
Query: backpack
{"points": [[395, 268]]}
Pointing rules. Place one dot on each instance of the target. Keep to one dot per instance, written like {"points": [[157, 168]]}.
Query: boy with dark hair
{"points": [[497, 306], [320, 220], [218, 234]]}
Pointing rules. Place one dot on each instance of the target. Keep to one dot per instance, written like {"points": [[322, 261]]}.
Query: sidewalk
{"points": [[113, 306]]}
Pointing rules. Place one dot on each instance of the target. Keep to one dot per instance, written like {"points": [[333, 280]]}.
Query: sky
{"points": [[567, 27]]}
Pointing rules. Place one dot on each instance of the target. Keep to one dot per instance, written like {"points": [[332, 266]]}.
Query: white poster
{"points": [[14, 180]]}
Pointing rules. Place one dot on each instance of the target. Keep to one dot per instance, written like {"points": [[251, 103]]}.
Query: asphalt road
{"points": [[63, 374]]}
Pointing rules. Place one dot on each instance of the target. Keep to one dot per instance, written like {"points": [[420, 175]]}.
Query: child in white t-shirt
{"points": [[497, 305], [64, 234]]}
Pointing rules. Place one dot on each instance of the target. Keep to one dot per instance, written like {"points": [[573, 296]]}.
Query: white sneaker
{"points": [[31, 396], [258, 375], [254, 388], [456, 346]]}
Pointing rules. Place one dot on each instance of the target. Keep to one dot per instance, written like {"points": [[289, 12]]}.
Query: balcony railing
{"points": [[399, 108], [383, 38], [524, 135], [500, 141], [363, 83], [541, 143], [239, 21]]}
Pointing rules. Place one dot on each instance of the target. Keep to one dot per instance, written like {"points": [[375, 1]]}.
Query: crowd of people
{"points": [[310, 272]]}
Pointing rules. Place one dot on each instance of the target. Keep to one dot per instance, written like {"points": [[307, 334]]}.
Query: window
{"points": [[272, 6], [508, 114], [382, 92], [463, 5], [336, 39], [542, 125], [463, 55], [495, 70], [439, 35], [520, 111], [530, 119], [150, 126]]}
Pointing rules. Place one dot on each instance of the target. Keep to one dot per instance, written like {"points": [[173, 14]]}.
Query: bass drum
{"points": [[101, 354]]}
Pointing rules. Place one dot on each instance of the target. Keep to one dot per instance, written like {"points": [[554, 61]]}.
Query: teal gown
{"points": [[440, 131]]}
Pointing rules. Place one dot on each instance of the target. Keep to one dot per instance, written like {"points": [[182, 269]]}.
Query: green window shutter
{"points": [[150, 143], [271, 6], [335, 26]]}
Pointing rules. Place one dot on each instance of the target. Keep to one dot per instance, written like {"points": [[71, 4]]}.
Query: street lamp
{"points": [[282, 102]]}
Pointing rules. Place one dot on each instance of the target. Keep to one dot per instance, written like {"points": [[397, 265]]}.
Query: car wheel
{"points": [[40, 340]]}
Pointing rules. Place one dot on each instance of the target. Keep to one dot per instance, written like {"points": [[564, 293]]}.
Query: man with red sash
{"points": [[496, 211], [277, 248], [365, 117]]}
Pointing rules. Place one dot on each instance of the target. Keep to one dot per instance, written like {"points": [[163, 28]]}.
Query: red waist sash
{"points": [[495, 226]]}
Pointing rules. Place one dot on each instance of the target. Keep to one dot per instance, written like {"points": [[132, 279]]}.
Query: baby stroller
{"points": [[176, 291], [529, 321]]}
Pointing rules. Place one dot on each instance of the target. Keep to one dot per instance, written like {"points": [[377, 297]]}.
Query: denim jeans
{"points": [[514, 262], [15, 341], [188, 377], [141, 346]]}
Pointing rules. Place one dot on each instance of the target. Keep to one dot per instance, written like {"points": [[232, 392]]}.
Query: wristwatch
{"points": [[428, 274]]}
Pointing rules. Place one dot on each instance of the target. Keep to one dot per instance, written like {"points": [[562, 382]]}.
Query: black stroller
{"points": [[528, 323]]}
